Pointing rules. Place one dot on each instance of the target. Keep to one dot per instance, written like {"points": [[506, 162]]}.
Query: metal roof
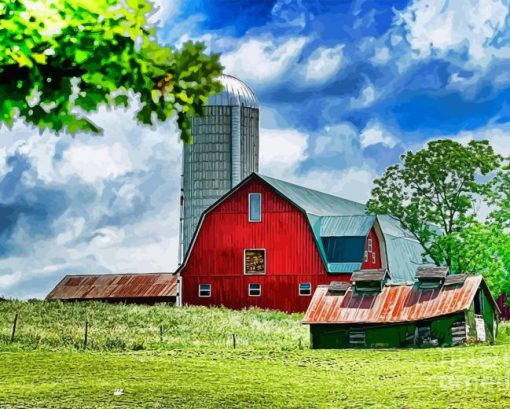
{"points": [[115, 286], [343, 267], [315, 202], [235, 93], [395, 303], [405, 253], [335, 226]]}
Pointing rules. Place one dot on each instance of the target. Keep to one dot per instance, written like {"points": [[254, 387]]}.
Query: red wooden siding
{"points": [[217, 256], [376, 252]]}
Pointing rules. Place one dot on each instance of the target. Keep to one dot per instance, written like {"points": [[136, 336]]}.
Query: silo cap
{"points": [[235, 93]]}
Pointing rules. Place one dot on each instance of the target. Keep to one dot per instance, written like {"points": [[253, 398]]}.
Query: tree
{"points": [[61, 59], [436, 193]]}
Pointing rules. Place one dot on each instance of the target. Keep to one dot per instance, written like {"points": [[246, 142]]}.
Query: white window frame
{"points": [[373, 258], [369, 245], [366, 256], [259, 290], [244, 262], [249, 208], [204, 296], [300, 292]]}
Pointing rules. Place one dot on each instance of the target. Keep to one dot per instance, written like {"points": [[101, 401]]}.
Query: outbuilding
{"points": [[148, 288], [436, 310]]}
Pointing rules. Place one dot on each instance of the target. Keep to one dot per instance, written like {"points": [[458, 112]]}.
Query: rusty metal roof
{"points": [[115, 286], [395, 303]]}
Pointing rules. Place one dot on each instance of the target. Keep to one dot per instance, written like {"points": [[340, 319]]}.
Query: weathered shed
{"points": [[129, 288], [457, 309]]}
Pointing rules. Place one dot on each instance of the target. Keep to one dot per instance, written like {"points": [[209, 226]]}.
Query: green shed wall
{"points": [[382, 336], [489, 316]]}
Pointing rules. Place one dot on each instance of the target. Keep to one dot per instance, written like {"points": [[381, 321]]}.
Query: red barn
{"points": [[269, 243]]}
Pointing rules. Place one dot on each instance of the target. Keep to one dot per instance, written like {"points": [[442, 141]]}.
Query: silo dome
{"points": [[225, 150], [235, 93]]}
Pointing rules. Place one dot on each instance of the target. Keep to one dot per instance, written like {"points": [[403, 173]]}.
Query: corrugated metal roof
{"points": [[337, 226], [405, 253], [115, 286], [235, 93], [395, 303], [315, 202], [343, 267]]}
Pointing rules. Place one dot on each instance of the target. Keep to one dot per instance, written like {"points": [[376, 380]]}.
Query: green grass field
{"points": [[195, 365]]}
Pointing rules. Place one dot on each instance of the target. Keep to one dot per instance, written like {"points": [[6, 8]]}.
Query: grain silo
{"points": [[225, 150]]}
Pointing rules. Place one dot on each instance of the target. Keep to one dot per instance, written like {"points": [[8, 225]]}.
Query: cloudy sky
{"points": [[344, 86]]}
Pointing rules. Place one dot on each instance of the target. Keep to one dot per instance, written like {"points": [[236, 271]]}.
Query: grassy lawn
{"points": [[196, 366]]}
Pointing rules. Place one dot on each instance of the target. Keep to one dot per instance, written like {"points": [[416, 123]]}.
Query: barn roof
{"points": [[394, 304], [115, 286]]}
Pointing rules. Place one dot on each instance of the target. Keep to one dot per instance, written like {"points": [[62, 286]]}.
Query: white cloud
{"points": [[366, 97], [123, 202], [322, 64], [441, 26], [374, 133], [381, 55], [262, 61], [353, 183], [95, 163], [281, 150], [163, 11]]}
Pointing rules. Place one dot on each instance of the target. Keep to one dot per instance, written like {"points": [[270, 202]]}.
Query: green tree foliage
{"points": [[436, 193], [61, 59]]}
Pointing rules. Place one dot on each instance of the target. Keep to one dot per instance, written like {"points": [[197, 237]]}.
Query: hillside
{"points": [[196, 364]]}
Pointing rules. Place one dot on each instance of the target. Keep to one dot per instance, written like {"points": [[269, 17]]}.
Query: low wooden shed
{"points": [[437, 310], [115, 288]]}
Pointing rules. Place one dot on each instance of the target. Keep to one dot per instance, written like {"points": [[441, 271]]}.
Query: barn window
{"points": [[373, 258], [305, 288], [254, 261], [204, 290], [369, 245], [254, 290], [255, 207], [366, 256]]}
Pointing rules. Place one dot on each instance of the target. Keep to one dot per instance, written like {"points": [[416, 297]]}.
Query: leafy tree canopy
{"points": [[437, 192], [61, 59]]}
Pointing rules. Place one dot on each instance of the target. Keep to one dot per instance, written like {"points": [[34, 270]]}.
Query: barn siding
{"points": [[367, 265], [217, 256]]}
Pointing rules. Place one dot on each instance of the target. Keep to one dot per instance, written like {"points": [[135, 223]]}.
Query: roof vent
{"points": [[338, 287], [369, 280], [457, 279], [431, 277]]}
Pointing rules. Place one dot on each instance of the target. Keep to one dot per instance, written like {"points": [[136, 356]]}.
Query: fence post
{"points": [[234, 340], [14, 324], [86, 335], [161, 333], [300, 346]]}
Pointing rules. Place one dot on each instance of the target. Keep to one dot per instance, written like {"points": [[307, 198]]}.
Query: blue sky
{"points": [[344, 86]]}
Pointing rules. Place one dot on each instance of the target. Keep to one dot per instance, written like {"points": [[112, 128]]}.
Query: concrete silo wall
{"points": [[207, 165]]}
